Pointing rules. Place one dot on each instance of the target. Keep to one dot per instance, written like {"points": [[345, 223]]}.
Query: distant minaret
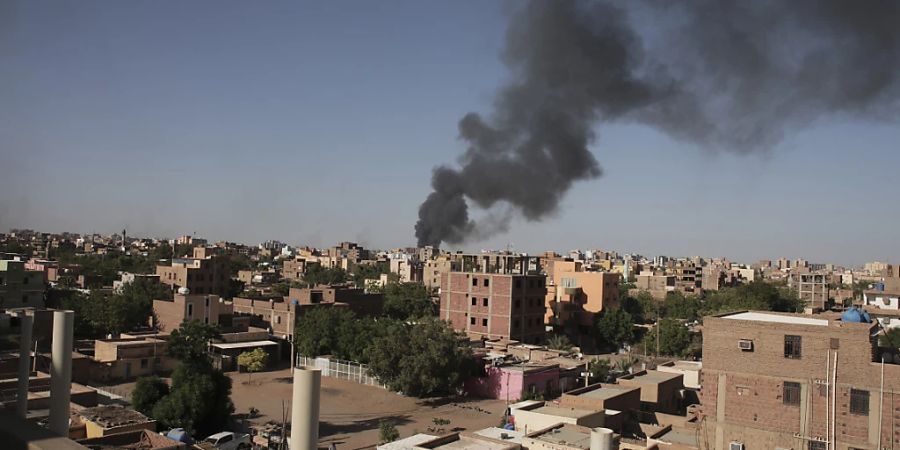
{"points": [[124, 244]]}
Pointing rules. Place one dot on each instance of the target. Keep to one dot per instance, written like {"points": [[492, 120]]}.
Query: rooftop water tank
{"points": [[855, 315]]}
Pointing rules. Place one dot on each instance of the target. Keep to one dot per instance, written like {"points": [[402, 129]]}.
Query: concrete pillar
{"points": [[61, 371], [26, 322], [603, 439], [305, 409]]}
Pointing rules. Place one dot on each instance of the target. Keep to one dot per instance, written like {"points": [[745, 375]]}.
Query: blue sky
{"points": [[319, 122]]}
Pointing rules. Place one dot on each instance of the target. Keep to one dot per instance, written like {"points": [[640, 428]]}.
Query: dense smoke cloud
{"points": [[727, 75]]}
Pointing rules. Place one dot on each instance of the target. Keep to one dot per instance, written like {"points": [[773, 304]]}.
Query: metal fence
{"points": [[340, 369]]}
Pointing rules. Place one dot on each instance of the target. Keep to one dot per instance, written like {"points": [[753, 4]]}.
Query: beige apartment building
{"points": [[205, 273], [20, 288], [433, 270], [573, 294], [130, 358]]}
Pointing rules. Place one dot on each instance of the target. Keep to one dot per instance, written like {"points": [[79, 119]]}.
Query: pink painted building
{"points": [[512, 382]]}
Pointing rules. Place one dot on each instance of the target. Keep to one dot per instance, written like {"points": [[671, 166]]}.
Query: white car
{"points": [[227, 440]]}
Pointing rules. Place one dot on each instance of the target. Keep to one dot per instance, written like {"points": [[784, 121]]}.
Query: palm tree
{"points": [[559, 342]]}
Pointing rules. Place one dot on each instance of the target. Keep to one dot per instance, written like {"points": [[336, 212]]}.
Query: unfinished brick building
{"points": [[496, 301]]}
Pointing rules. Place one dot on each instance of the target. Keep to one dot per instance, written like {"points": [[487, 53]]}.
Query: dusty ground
{"points": [[350, 412]]}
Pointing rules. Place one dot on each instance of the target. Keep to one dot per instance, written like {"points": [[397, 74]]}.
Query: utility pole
{"points": [[657, 331]]}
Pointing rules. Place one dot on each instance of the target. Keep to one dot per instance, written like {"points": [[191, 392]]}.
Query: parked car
{"points": [[228, 440]]}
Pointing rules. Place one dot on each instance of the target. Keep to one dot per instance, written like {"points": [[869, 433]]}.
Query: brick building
{"points": [[293, 269], [205, 273], [208, 309], [280, 315], [792, 381], [20, 288], [494, 305]]}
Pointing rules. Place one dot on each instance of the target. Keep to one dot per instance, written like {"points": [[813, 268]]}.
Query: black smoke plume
{"points": [[726, 75]]}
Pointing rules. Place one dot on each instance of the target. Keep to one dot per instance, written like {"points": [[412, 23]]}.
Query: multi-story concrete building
{"points": [[688, 278], [657, 285], [576, 295], [279, 316], [812, 288], [293, 269], [433, 270], [208, 309], [20, 288], [495, 305], [793, 381], [205, 273]]}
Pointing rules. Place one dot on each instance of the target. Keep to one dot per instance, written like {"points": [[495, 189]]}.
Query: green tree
{"points": [[199, 402], [674, 338], [643, 308], [891, 339], [318, 330], [189, 342], [599, 370], [148, 391], [317, 275], [757, 295], [679, 306], [200, 397], [407, 301], [253, 361], [282, 289], [613, 328], [424, 359], [559, 342], [363, 272], [387, 432]]}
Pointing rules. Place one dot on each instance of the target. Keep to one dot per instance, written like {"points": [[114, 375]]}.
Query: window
{"points": [[484, 302], [835, 343], [207, 302], [190, 309], [471, 320], [791, 393], [144, 363], [859, 402], [24, 299], [474, 301], [516, 324], [484, 322], [474, 281], [817, 445], [518, 283], [517, 304], [792, 346], [487, 282]]}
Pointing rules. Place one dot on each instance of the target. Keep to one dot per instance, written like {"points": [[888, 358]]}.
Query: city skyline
{"points": [[234, 124]]}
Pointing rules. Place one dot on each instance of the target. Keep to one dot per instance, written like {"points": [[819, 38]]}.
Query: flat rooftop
{"points": [[679, 437], [653, 377], [777, 318], [605, 392], [407, 443], [563, 412], [570, 435], [464, 443], [512, 436]]}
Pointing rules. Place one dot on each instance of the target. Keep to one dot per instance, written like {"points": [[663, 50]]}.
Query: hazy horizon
{"points": [[314, 123]]}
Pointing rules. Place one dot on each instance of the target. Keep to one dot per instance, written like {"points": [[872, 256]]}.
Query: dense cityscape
{"points": [[449, 225], [486, 350]]}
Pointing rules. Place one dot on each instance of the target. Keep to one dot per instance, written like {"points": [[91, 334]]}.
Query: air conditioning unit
{"points": [[736, 446], [745, 345]]}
